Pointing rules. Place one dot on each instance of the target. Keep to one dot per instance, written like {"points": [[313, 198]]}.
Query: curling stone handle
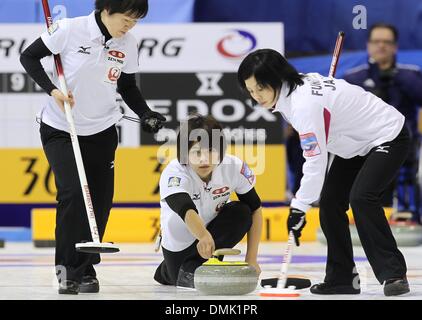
{"points": [[226, 252]]}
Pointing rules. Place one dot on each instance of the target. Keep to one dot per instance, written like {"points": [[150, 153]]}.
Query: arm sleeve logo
{"points": [[309, 144], [53, 28], [174, 182], [247, 173]]}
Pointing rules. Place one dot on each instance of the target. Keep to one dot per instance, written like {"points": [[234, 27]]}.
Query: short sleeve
{"points": [[245, 178], [55, 38], [174, 181], [132, 61]]}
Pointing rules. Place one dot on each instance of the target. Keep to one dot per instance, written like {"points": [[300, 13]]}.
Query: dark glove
{"points": [[295, 223], [152, 121]]}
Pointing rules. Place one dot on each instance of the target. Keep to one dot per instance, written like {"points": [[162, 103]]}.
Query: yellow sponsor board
{"points": [[143, 225], [27, 178]]}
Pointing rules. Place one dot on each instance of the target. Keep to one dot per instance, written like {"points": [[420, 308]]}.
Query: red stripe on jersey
{"points": [[327, 119]]}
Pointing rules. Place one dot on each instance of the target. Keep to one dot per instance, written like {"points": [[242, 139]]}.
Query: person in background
{"points": [[400, 86]]}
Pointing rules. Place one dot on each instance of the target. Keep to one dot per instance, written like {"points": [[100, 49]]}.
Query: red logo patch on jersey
{"points": [[114, 74], [117, 54], [221, 190]]}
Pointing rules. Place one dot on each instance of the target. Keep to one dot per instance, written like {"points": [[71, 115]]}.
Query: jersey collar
{"points": [[197, 178], [283, 100], [94, 29]]}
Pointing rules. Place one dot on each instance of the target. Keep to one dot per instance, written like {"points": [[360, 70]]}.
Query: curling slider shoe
{"points": [[97, 247], [290, 292]]}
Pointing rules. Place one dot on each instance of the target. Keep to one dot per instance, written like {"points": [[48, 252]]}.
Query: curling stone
{"points": [[217, 277]]}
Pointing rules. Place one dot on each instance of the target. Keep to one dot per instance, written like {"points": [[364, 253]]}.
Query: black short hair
{"points": [[382, 25], [206, 125], [270, 69], [136, 8]]}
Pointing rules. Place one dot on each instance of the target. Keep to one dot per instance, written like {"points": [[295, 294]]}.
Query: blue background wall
{"points": [[311, 25], [162, 11]]}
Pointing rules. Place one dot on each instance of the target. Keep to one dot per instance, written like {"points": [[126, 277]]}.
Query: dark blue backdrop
{"points": [[312, 25]]}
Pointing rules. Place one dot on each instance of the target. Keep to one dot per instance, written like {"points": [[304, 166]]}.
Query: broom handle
{"points": [[286, 261]]}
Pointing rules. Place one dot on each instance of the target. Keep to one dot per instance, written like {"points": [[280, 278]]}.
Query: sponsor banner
{"points": [[182, 71], [27, 177], [143, 225], [189, 47], [175, 95]]}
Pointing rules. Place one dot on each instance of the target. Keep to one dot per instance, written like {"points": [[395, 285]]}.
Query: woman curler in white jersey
{"points": [[369, 141], [197, 216], [100, 58]]}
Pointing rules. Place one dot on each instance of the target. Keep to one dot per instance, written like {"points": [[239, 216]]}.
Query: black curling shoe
{"points": [[89, 284], [329, 288], [185, 280], [68, 287], [396, 287]]}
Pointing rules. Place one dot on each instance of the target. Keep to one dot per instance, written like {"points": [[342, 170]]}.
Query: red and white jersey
{"points": [[231, 175], [334, 116]]}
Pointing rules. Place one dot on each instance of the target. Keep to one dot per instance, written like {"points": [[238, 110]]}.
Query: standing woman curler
{"points": [[370, 143], [99, 57]]}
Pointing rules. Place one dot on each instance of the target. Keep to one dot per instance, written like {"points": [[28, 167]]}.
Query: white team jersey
{"points": [[334, 116], [231, 175], [91, 69]]}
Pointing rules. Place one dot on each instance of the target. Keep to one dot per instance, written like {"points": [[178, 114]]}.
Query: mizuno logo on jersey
{"points": [[382, 149], [84, 50], [309, 144], [196, 196]]}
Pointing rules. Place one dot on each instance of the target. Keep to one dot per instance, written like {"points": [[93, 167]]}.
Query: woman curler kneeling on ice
{"points": [[369, 141], [196, 214]]}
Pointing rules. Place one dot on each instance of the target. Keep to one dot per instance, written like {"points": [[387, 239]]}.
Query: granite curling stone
{"points": [[223, 278]]}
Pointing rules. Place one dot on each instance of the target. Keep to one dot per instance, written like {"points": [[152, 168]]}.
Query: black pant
{"points": [[227, 230], [361, 181], [406, 185], [72, 225], [295, 160]]}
